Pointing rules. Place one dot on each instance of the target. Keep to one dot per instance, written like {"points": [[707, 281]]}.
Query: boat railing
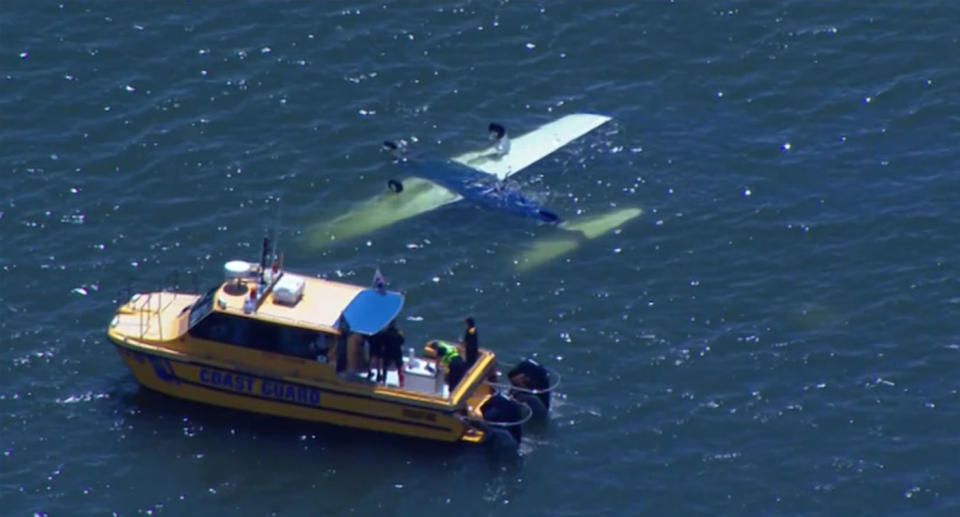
{"points": [[169, 287], [170, 283], [527, 415], [554, 376], [147, 316]]}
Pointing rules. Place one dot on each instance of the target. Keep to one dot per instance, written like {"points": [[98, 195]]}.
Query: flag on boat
{"points": [[379, 283]]}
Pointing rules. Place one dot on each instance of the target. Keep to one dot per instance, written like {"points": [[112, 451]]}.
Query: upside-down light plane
{"points": [[481, 177]]}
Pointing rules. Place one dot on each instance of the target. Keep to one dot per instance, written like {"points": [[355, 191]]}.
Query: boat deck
{"points": [[419, 377]]}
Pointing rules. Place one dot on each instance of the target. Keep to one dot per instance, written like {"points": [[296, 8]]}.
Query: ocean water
{"points": [[777, 334]]}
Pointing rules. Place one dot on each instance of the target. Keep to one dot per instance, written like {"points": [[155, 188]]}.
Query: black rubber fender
{"points": [[395, 186]]}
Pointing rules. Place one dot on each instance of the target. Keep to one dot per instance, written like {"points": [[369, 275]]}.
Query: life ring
{"points": [[395, 186]]}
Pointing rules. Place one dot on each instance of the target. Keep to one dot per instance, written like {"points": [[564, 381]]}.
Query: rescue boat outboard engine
{"points": [[533, 376], [504, 414]]}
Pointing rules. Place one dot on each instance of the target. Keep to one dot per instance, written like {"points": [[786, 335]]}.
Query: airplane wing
{"points": [[573, 234], [530, 147], [419, 196]]}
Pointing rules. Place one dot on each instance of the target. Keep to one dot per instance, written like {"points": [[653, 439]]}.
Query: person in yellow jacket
{"points": [[449, 357]]}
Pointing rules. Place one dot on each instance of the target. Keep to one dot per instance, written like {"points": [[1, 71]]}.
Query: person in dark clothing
{"points": [[448, 356], [392, 352], [376, 355], [470, 342]]}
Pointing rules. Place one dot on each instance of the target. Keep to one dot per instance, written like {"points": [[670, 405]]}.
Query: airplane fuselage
{"points": [[477, 187]]}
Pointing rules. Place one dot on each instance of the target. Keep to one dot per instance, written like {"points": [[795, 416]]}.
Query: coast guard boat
{"points": [[272, 341]]}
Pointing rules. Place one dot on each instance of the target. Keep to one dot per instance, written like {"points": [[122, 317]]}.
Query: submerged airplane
{"points": [[481, 177]]}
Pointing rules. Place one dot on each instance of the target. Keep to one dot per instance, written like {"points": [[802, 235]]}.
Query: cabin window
{"points": [[215, 327], [261, 335], [201, 307], [301, 342]]}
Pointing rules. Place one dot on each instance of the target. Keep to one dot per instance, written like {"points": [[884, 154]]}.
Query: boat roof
{"points": [[324, 304], [371, 310]]}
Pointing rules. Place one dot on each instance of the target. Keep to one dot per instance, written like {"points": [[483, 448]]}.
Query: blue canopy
{"points": [[371, 311]]}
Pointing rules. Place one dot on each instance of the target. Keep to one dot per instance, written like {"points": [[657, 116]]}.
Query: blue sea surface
{"points": [[777, 334]]}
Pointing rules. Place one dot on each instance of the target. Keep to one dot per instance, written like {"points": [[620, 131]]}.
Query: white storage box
{"points": [[288, 290], [418, 377]]}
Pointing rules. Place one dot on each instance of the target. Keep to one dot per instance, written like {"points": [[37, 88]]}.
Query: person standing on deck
{"points": [[376, 343], [470, 342], [448, 357], [392, 353]]}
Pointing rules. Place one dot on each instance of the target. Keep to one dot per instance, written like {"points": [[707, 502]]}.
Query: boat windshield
{"points": [[202, 307]]}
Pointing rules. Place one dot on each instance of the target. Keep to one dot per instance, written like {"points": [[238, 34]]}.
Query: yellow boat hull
{"points": [[294, 398]]}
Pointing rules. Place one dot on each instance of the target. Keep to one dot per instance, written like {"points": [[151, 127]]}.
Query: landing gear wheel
{"points": [[395, 186]]}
